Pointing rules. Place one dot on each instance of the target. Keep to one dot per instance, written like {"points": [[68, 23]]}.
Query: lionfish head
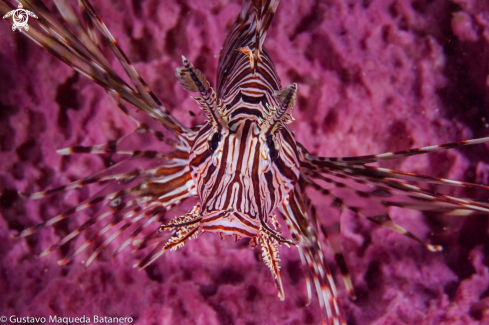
{"points": [[241, 174]]}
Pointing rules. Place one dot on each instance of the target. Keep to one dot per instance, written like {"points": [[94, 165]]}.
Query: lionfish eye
{"points": [[271, 149], [214, 142]]}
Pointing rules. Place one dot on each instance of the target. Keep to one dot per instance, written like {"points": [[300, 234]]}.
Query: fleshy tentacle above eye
{"points": [[193, 80], [278, 115]]}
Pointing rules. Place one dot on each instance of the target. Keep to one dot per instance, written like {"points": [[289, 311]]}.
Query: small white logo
{"points": [[20, 18]]}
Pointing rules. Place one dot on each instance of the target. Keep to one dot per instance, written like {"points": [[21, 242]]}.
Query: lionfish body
{"points": [[243, 163], [239, 178]]}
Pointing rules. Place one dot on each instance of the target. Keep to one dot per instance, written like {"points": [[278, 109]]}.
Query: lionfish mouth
{"points": [[224, 223], [230, 222]]}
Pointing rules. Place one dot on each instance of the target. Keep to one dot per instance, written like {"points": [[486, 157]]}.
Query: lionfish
{"points": [[242, 164]]}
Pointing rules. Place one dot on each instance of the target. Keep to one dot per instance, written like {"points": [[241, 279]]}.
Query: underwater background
{"points": [[373, 76]]}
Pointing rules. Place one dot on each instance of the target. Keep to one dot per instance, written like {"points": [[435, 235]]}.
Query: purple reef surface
{"points": [[373, 76]]}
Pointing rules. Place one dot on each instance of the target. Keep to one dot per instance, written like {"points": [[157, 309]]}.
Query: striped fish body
{"points": [[241, 173], [238, 184]]}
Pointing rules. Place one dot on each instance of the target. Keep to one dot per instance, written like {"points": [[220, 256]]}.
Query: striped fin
{"points": [[264, 12], [309, 277], [131, 238], [143, 127], [300, 226], [332, 237], [151, 257], [63, 44], [80, 45], [140, 209], [169, 186], [93, 220], [420, 178], [382, 176], [392, 193], [427, 200], [88, 24], [173, 167], [151, 239], [244, 65], [133, 216], [135, 77], [69, 212], [124, 178], [67, 12], [357, 160], [383, 219], [88, 38], [109, 149]]}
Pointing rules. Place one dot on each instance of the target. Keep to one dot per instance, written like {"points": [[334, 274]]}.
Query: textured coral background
{"points": [[373, 76]]}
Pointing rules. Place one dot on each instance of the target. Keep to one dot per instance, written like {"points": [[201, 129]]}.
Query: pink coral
{"points": [[373, 76]]}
